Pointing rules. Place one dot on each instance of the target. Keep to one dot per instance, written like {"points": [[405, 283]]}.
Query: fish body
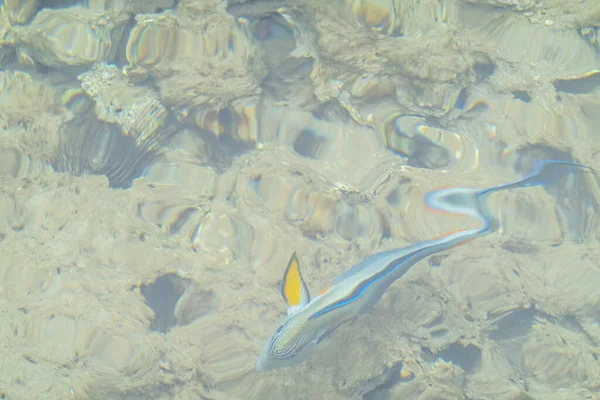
{"points": [[357, 290], [351, 294]]}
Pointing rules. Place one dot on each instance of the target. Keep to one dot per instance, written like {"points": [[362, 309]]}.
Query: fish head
{"points": [[292, 343]]}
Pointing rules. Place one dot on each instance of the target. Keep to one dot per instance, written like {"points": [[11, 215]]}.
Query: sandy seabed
{"points": [[160, 162]]}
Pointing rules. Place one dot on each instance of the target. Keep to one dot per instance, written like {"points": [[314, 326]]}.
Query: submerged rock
{"points": [[30, 114], [123, 136], [136, 109], [132, 6], [20, 11], [89, 146], [23, 98], [206, 60], [549, 52], [70, 37]]}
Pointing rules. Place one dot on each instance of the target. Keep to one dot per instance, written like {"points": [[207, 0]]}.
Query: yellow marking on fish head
{"points": [[325, 289]]}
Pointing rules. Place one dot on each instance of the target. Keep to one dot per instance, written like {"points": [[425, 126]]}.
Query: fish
{"points": [[310, 321]]}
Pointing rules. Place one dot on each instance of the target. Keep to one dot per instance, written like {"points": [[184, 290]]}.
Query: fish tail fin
{"points": [[473, 202]]}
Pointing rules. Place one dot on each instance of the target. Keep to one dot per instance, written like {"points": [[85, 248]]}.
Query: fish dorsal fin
{"points": [[293, 289]]}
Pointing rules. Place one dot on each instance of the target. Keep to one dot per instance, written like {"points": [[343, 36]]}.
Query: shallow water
{"points": [[161, 160]]}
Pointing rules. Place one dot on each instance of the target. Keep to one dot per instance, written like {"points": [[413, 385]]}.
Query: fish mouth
{"points": [[263, 364], [266, 363]]}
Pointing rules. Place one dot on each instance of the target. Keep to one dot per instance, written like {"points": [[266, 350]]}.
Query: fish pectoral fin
{"points": [[330, 330], [293, 289]]}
